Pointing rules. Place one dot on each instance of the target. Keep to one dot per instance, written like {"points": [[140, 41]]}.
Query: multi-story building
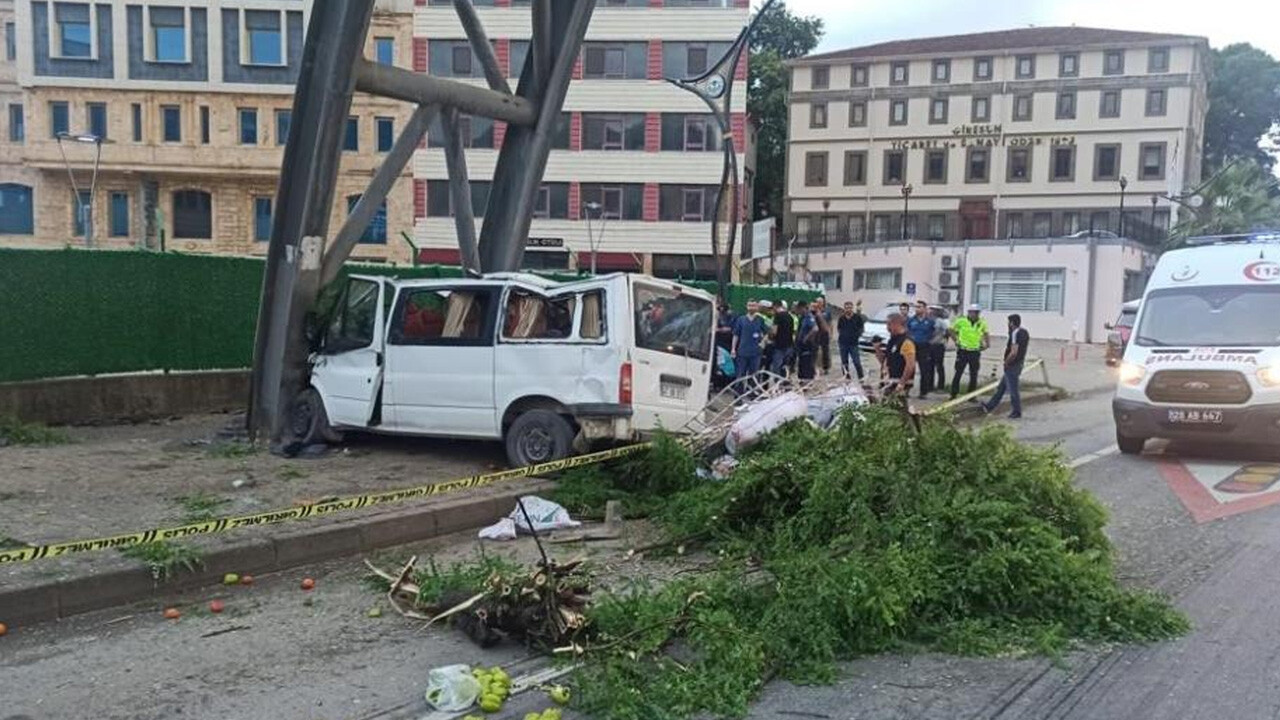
{"points": [[636, 162], [941, 145], [191, 100]]}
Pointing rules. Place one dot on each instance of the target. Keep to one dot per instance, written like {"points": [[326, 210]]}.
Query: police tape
{"points": [[980, 391], [307, 510]]}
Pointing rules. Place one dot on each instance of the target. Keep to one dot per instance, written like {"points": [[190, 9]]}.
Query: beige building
{"points": [[1028, 136], [192, 101]]}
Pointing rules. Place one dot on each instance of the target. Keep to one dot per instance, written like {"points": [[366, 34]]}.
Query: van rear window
{"points": [[672, 322]]}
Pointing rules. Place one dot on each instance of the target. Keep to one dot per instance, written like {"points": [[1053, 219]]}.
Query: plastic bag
{"points": [[504, 529], [452, 688], [545, 515]]}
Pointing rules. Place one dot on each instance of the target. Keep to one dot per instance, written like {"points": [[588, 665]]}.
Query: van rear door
{"points": [[673, 332]]}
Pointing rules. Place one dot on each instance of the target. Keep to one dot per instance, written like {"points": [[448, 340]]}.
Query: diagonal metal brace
{"points": [[401, 84], [480, 44], [460, 191]]}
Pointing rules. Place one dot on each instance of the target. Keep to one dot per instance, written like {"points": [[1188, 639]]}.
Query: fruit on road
{"points": [[246, 579], [559, 694], [4, 629], [375, 612], [308, 583], [216, 606], [230, 579], [172, 614], [490, 703]]}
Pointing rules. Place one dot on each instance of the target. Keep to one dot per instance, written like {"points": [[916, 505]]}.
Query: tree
{"points": [[1241, 198], [1244, 105], [779, 36]]}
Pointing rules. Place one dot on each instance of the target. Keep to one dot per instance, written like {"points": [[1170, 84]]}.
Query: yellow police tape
{"points": [[308, 510], [982, 390]]}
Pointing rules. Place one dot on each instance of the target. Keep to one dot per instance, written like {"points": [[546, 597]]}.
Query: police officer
{"points": [[921, 327], [970, 334]]}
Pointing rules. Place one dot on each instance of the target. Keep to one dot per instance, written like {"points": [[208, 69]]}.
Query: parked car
{"points": [[1101, 234], [877, 324], [549, 368], [1118, 338]]}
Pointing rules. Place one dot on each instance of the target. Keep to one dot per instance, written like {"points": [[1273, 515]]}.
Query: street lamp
{"points": [[1155, 198], [84, 210], [1124, 183], [906, 200], [592, 240]]}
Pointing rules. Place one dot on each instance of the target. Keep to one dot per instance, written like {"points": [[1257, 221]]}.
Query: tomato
{"points": [[4, 629], [246, 579], [216, 606], [172, 614], [308, 583]]}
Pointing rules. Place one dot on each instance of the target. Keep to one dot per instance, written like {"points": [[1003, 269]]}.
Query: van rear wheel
{"points": [[538, 436], [1130, 445]]}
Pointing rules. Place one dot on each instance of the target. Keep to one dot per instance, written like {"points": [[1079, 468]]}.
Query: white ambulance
{"points": [[1203, 361]]}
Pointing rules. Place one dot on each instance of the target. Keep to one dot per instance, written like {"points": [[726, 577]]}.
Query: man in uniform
{"points": [[970, 334], [748, 336], [921, 327]]}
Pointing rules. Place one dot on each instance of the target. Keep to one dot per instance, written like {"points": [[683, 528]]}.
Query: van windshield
{"points": [[673, 322], [1217, 316]]}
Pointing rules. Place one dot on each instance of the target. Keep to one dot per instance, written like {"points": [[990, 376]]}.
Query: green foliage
{"points": [[14, 431], [641, 480], [1240, 198], [1244, 105], [853, 542], [164, 559], [200, 507], [465, 578]]}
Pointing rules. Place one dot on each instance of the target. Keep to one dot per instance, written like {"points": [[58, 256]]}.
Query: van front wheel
{"points": [[1130, 445], [538, 436], [309, 422]]}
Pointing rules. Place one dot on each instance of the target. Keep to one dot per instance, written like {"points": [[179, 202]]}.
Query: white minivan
{"points": [[1203, 359], [547, 367]]}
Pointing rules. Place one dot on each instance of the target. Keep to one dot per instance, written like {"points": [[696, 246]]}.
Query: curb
{"points": [[1040, 396], [297, 546]]}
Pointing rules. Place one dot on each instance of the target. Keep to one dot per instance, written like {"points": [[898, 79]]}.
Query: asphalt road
{"points": [[326, 659]]}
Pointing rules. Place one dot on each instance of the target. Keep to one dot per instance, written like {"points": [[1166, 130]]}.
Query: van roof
{"points": [[1218, 264]]}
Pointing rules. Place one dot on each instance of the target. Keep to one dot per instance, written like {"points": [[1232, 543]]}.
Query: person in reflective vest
{"points": [[970, 334]]}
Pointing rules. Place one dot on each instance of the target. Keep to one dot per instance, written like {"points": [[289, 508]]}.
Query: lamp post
{"points": [[1124, 183], [906, 200], [592, 240], [84, 210], [1155, 198]]}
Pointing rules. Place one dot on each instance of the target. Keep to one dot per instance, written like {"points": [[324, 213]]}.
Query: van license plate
{"points": [[671, 391], [1196, 417]]}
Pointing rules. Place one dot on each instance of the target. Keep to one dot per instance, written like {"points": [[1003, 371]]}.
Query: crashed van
{"points": [[550, 368]]}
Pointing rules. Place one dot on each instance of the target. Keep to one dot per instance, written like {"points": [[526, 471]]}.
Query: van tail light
{"points": [[624, 384]]}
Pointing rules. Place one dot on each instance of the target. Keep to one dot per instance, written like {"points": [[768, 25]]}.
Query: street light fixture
{"points": [[84, 210], [1124, 183], [906, 200], [592, 240]]}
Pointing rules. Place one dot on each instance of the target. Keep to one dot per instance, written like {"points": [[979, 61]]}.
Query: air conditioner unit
{"points": [[948, 279], [950, 262], [948, 297]]}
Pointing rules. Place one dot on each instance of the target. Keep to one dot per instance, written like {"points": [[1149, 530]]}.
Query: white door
{"points": [[440, 357], [348, 370], [671, 368]]}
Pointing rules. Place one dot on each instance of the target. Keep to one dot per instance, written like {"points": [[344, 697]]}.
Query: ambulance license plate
{"points": [[1195, 417]]}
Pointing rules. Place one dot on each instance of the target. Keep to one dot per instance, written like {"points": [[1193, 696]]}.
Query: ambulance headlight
{"points": [[1131, 374], [1269, 375]]}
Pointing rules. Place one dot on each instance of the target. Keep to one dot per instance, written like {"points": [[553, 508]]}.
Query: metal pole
{"points": [[480, 44], [93, 186], [464, 220], [1124, 183], [401, 84]]}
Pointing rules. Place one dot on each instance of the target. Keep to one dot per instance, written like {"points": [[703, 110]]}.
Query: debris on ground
{"points": [[452, 688], [543, 516]]}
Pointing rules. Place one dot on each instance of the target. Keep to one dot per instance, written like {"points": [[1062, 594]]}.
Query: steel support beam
{"points": [[523, 158], [480, 44], [540, 45], [464, 220], [401, 84], [373, 197]]}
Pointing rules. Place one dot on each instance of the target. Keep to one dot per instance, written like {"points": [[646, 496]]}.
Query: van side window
{"points": [[529, 316], [592, 315], [439, 316], [352, 323]]}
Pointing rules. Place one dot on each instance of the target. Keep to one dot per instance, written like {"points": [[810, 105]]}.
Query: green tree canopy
{"points": [[779, 36], [1241, 198], [1244, 105]]}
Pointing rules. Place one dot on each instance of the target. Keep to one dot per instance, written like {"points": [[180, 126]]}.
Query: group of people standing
{"points": [[784, 340]]}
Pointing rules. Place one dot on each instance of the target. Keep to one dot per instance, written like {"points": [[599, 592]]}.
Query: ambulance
{"points": [[1203, 360]]}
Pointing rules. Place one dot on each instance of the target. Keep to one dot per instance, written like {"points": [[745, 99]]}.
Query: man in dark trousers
{"points": [[849, 327], [970, 334], [1015, 354], [784, 334], [806, 342], [724, 327], [898, 358], [748, 337], [921, 328]]}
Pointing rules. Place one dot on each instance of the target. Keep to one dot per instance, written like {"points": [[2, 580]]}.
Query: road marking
{"points": [[1090, 457]]}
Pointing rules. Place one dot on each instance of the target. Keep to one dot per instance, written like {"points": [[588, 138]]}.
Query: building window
{"points": [[262, 219], [284, 119], [818, 115], [1106, 162], [1151, 164], [690, 133], [899, 73], [981, 111], [1066, 107], [1018, 290], [617, 202], [385, 131], [135, 112], [878, 278], [1025, 69], [460, 60], [935, 166], [476, 132], [1156, 98], [17, 124], [118, 215], [977, 165], [59, 118], [629, 61], [982, 68], [384, 50], [552, 202], [897, 112], [855, 167], [859, 76], [171, 117], [695, 62], [1041, 223], [938, 111], [1157, 60], [440, 200], [192, 214], [1070, 223], [1069, 64], [895, 167], [168, 34], [942, 71], [821, 79], [686, 203], [815, 169], [828, 279], [75, 35], [602, 131], [10, 42], [880, 229], [248, 126], [266, 41], [1019, 165], [1013, 225], [1113, 62], [1109, 104], [351, 135], [17, 211], [1063, 167], [857, 114], [936, 229], [1022, 105], [204, 125], [81, 212], [96, 113], [375, 233]]}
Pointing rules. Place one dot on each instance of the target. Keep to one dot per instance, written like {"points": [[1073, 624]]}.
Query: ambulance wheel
{"points": [[1130, 445]]}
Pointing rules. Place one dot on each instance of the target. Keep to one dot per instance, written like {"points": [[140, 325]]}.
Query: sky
{"points": [[850, 23]]}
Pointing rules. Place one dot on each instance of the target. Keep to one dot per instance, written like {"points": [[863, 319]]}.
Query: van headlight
{"points": [[1131, 374], [1269, 375]]}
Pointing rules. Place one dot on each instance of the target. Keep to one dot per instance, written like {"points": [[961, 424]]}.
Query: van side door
{"points": [[348, 369]]}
